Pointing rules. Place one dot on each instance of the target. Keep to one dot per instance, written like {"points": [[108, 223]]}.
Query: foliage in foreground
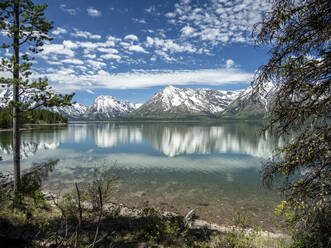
{"points": [[299, 34], [86, 218]]}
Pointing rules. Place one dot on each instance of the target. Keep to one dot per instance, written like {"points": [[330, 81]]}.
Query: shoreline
{"points": [[32, 126], [192, 222], [27, 126], [207, 121]]}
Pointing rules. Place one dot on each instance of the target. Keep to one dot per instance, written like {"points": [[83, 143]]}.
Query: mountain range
{"points": [[181, 103], [173, 102]]}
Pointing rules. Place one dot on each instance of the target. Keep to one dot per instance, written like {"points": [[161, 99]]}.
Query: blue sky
{"points": [[131, 49]]}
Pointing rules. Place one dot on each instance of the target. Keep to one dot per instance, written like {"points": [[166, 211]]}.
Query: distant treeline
{"points": [[31, 117]]}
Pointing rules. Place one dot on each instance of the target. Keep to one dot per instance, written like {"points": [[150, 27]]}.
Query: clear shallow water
{"points": [[211, 168]]}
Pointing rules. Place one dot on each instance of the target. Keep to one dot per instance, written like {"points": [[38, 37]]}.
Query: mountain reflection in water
{"points": [[169, 139]]}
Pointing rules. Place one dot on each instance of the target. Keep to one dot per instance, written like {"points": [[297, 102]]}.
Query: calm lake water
{"points": [[214, 169]]}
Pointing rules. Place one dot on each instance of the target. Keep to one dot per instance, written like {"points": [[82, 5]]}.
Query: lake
{"points": [[212, 168]]}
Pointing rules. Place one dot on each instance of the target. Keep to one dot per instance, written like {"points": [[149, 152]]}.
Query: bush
{"points": [[240, 236]]}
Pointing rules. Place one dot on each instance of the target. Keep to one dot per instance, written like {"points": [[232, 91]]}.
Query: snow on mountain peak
{"points": [[173, 99], [107, 102], [105, 107]]}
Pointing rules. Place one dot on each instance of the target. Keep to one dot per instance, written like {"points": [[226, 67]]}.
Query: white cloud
{"points": [[66, 80], [141, 21], [111, 53], [70, 11], [93, 12], [6, 52], [170, 15], [51, 69], [109, 43], [73, 61], [70, 44], [184, 77], [131, 37], [149, 41], [111, 56], [150, 9], [187, 30], [107, 50], [65, 71], [165, 56], [96, 64], [112, 38], [59, 31], [81, 67], [90, 56], [54, 62], [137, 48], [95, 36], [85, 34], [124, 44], [89, 45], [170, 45], [217, 22], [90, 91], [57, 49], [229, 63]]}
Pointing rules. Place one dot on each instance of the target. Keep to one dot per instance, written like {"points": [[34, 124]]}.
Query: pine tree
{"points": [[299, 35], [27, 29]]}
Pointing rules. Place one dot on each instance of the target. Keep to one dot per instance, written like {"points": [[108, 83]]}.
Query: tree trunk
{"points": [[16, 108]]}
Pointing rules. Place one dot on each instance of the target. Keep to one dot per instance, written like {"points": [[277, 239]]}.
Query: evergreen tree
{"points": [[33, 116], [24, 24], [299, 35]]}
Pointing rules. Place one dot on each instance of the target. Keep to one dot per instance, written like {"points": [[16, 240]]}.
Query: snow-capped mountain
{"points": [[173, 100], [7, 95], [251, 103], [105, 107], [74, 112]]}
